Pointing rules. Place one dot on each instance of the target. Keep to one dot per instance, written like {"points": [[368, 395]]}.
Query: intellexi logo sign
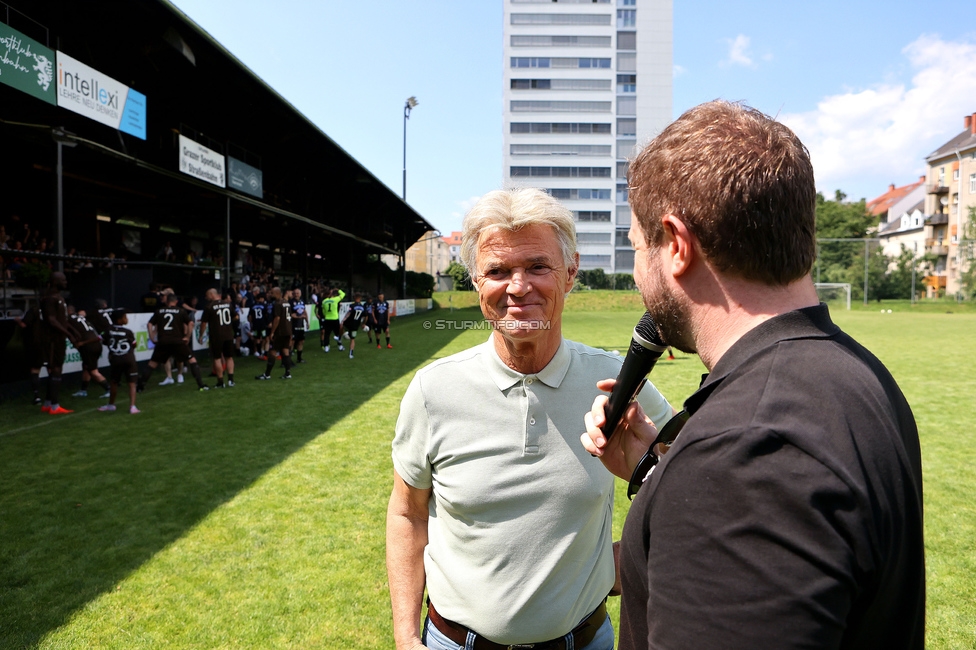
{"points": [[200, 162], [88, 92], [244, 178], [26, 65]]}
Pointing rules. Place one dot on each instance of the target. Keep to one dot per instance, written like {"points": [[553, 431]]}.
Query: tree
{"points": [[420, 285], [838, 219], [33, 275], [967, 276], [594, 279], [462, 282]]}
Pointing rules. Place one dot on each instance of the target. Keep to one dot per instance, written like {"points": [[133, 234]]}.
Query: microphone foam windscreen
{"points": [[647, 330]]}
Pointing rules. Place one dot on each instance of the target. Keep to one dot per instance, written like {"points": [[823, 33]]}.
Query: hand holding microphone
{"points": [[646, 347], [621, 455]]}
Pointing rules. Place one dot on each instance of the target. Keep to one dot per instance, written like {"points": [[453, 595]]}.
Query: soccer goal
{"points": [[832, 292]]}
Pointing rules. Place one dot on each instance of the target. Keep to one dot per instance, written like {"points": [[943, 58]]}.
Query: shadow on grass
{"points": [[88, 498]]}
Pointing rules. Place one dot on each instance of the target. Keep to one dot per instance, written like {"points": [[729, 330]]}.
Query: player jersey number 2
{"points": [[168, 325]]}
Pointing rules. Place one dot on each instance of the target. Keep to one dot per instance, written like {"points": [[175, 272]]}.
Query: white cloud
{"points": [[738, 52], [885, 131], [678, 71], [457, 217], [468, 203]]}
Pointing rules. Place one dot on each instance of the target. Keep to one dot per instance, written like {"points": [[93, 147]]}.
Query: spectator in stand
{"points": [[151, 300]]}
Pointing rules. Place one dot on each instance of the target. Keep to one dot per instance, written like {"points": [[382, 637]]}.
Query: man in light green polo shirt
{"points": [[496, 509]]}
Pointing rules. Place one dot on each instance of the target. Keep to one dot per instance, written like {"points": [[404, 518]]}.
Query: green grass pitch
{"points": [[254, 517]]}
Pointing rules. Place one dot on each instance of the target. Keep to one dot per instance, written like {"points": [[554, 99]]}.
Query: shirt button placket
{"points": [[532, 431]]}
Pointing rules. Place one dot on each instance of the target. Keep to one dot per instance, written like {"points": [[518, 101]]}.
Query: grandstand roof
{"points": [[315, 194]]}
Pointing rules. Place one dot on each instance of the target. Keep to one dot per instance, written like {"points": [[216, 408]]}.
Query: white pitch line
{"points": [[53, 420]]}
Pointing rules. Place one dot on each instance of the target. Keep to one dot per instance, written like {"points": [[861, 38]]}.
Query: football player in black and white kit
{"points": [[280, 334], [381, 316], [121, 344], [259, 315], [299, 323], [355, 319], [101, 318], [89, 347], [219, 317], [52, 332], [170, 329]]}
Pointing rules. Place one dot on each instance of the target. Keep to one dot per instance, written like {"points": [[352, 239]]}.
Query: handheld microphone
{"points": [[645, 349]]}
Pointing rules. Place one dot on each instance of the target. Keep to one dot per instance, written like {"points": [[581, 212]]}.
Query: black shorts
{"points": [[53, 353], [331, 327], [127, 371], [179, 351], [280, 343], [35, 355], [299, 335], [221, 348], [382, 324], [90, 353], [259, 331]]}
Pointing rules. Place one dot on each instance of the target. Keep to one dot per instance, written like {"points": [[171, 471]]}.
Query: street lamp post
{"points": [[63, 139], [407, 107], [410, 104]]}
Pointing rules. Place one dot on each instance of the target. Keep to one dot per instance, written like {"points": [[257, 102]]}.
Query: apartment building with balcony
{"points": [[950, 192], [585, 82]]}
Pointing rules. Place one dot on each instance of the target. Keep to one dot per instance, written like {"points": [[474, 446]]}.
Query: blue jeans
{"points": [[434, 640]]}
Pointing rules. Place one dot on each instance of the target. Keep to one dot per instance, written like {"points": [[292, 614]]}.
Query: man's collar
{"points": [[806, 323], [504, 377]]}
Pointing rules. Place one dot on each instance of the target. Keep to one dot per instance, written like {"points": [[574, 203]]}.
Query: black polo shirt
{"points": [[788, 512]]}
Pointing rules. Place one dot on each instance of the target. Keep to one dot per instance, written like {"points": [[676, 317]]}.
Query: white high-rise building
{"points": [[585, 82]]}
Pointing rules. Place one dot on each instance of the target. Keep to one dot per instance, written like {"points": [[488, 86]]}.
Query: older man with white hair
{"points": [[496, 509]]}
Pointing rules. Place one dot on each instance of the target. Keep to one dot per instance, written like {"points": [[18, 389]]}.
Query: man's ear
{"points": [[571, 273], [680, 243]]}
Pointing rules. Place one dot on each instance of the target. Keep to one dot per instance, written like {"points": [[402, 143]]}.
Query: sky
{"points": [[871, 88]]}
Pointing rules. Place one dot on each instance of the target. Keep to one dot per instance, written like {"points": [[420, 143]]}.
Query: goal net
{"points": [[835, 293]]}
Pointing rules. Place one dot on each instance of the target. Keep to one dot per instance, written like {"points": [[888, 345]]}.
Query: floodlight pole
{"points": [[62, 139], [407, 107]]}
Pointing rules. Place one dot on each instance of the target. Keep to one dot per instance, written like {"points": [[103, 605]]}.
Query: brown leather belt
{"points": [[582, 634]]}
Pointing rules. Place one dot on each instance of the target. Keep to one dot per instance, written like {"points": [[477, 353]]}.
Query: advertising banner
{"points": [[88, 92], [27, 65], [200, 162], [244, 178]]}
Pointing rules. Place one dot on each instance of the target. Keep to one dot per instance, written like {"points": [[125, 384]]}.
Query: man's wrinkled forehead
{"points": [[532, 244]]}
